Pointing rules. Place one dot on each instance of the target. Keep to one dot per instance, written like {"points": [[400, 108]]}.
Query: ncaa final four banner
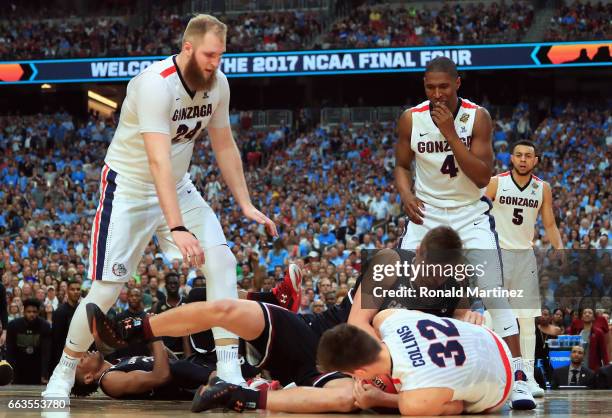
{"points": [[301, 63]]}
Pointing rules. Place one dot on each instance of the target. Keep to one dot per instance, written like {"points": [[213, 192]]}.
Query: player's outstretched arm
{"points": [[403, 169], [158, 146], [120, 384], [548, 219], [365, 302], [429, 402], [362, 317], [230, 164]]}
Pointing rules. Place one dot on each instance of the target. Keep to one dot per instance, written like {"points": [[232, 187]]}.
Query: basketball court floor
{"points": [[561, 403]]}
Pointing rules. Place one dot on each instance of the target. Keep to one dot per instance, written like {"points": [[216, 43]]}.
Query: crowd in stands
{"points": [[405, 25], [116, 36], [60, 9], [330, 191], [110, 31], [581, 21]]}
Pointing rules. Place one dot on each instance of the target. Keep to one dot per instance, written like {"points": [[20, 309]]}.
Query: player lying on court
{"points": [[444, 366], [289, 356], [140, 377]]}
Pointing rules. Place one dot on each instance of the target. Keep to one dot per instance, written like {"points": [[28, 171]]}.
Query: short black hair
{"points": [[442, 65], [73, 281], [442, 245], [346, 348], [31, 302], [525, 142], [171, 275], [82, 390]]}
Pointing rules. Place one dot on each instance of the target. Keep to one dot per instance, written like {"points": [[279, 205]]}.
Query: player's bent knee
{"points": [[222, 307], [104, 294]]}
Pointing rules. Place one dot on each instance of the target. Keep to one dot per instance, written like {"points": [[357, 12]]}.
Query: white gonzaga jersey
{"points": [[432, 352], [158, 100], [516, 211], [439, 180]]}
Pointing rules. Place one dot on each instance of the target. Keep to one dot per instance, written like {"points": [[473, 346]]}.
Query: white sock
{"points": [[228, 365], [517, 364], [529, 366], [68, 363]]}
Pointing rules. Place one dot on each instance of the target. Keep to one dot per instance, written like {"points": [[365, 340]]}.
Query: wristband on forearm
{"points": [[182, 228]]}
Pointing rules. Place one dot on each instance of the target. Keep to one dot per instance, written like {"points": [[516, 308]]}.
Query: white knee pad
{"points": [[527, 337], [504, 322], [103, 294], [220, 271]]}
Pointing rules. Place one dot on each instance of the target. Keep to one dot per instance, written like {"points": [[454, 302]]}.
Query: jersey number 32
{"points": [[439, 352]]}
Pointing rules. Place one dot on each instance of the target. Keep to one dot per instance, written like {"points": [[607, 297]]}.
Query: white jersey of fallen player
{"points": [[158, 100], [439, 180], [516, 211], [432, 352]]}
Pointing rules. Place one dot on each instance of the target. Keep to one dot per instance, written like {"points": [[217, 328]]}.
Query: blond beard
{"points": [[194, 77]]}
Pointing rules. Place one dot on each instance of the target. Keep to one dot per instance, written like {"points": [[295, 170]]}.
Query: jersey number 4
{"points": [[439, 352], [183, 132], [449, 167]]}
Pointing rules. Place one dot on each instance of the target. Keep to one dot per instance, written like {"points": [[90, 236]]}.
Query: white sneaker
{"points": [[535, 389], [59, 385], [521, 398]]}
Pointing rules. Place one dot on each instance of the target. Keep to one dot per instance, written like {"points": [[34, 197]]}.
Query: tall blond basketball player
{"points": [[518, 197], [449, 138], [146, 190]]}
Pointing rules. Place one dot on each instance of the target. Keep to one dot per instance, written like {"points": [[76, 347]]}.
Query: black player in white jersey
{"points": [[518, 198], [449, 140]]}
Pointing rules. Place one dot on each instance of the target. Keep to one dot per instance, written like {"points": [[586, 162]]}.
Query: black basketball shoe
{"points": [[221, 394], [116, 334]]}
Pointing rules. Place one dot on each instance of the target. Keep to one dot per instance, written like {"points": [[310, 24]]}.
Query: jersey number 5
{"points": [[183, 132], [439, 352], [449, 167], [517, 216]]}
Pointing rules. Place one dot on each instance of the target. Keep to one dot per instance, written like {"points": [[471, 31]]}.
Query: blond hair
{"points": [[200, 25]]}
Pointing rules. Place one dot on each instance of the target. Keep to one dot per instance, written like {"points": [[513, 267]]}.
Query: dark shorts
{"points": [[287, 348]]}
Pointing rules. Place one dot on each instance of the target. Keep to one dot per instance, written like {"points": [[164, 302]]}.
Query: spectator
{"points": [[318, 306], [14, 313], [576, 374], [324, 287], [122, 303], [558, 318], [157, 296], [546, 330], [175, 344], [28, 346], [61, 320], [51, 299], [596, 351], [326, 237]]}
